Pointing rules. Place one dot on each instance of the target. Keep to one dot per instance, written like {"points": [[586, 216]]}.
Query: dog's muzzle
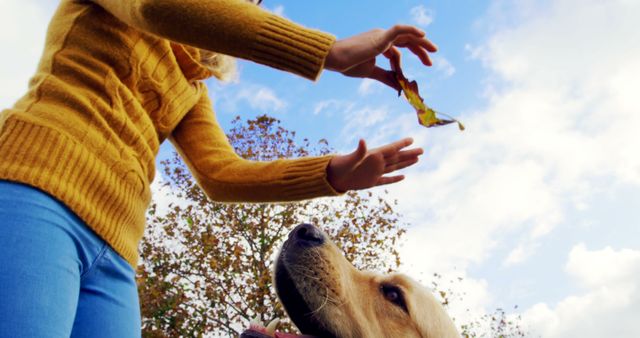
{"points": [[303, 239], [306, 236]]}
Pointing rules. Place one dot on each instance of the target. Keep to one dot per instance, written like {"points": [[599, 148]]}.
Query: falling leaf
{"points": [[426, 115]]}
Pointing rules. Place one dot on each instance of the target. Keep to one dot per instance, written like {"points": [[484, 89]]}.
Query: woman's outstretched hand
{"points": [[364, 168], [356, 56]]}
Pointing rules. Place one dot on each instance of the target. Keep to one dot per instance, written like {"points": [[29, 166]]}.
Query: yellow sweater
{"points": [[117, 78]]}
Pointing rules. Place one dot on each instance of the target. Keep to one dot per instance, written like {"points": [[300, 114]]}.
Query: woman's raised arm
{"points": [[232, 27]]}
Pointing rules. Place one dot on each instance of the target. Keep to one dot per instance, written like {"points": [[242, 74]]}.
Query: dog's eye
{"points": [[393, 294]]}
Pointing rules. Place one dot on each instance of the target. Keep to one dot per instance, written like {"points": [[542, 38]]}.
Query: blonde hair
{"points": [[222, 66]]}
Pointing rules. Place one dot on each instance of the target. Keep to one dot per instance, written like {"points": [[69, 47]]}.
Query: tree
{"points": [[497, 324], [206, 266]]}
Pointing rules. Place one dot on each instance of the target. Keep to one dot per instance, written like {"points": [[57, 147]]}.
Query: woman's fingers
{"points": [[392, 148], [408, 39], [404, 155], [428, 45], [419, 46], [389, 180], [400, 165], [392, 51], [351, 52], [421, 54], [359, 153], [402, 159], [422, 43], [385, 76], [398, 30]]}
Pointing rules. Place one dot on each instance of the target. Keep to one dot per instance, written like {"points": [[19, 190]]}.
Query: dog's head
{"points": [[326, 296]]}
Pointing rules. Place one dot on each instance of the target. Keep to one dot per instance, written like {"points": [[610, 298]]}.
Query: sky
{"points": [[536, 204]]}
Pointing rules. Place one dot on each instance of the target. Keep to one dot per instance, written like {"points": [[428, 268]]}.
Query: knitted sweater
{"points": [[117, 78]]}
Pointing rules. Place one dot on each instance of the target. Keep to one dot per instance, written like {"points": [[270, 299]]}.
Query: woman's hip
{"points": [[52, 264]]}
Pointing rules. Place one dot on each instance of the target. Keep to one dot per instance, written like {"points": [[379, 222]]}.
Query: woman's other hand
{"points": [[356, 56], [364, 168]]}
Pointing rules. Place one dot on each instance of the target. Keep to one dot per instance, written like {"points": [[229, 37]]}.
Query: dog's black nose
{"points": [[307, 234]]}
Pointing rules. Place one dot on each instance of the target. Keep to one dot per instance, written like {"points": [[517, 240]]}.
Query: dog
{"points": [[325, 296]]}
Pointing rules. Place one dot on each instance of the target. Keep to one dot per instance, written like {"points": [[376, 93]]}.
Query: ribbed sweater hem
{"points": [[111, 206], [307, 178]]}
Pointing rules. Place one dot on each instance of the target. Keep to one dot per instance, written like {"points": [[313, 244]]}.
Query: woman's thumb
{"points": [[360, 153]]}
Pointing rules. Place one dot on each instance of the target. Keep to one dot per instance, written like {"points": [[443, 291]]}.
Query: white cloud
{"points": [[519, 254], [22, 32], [608, 308], [603, 267], [368, 86], [421, 15], [329, 107], [558, 131], [358, 119], [553, 135], [260, 97], [323, 105], [358, 123], [278, 10], [443, 66], [461, 210]]}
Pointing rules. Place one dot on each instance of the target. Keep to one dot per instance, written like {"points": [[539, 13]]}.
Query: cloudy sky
{"points": [[536, 204]]}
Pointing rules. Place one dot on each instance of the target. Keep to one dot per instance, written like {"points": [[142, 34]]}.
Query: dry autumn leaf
{"points": [[426, 115]]}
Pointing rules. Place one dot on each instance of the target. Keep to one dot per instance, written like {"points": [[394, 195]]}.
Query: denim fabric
{"points": [[57, 277]]}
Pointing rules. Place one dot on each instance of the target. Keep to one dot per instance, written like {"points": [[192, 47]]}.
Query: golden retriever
{"points": [[325, 296]]}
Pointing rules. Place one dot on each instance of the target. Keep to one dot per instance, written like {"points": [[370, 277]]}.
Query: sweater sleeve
{"points": [[233, 27], [224, 176]]}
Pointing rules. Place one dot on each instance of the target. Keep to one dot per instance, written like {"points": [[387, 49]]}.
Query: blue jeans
{"points": [[57, 277]]}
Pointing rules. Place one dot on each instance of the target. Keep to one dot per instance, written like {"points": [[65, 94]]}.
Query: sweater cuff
{"points": [[306, 178], [285, 45]]}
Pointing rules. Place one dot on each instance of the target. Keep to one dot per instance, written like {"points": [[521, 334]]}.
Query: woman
{"points": [[116, 79]]}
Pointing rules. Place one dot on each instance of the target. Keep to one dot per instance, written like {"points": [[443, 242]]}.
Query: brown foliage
{"points": [[497, 324], [206, 266]]}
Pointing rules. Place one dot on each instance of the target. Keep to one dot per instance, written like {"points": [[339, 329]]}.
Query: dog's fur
{"points": [[340, 301]]}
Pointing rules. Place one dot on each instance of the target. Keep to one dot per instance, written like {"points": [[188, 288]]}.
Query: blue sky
{"points": [[343, 20], [535, 204]]}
